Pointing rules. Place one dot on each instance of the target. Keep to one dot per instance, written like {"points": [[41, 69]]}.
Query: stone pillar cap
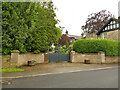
{"points": [[15, 51]]}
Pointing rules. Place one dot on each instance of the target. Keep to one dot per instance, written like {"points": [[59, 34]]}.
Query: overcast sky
{"points": [[74, 13]]}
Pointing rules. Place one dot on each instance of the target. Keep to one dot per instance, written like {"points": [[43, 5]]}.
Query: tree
{"points": [[29, 26], [64, 39], [95, 21]]}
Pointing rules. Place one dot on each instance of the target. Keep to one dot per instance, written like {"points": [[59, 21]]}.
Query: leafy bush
{"points": [[36, 51], [34, 61], [67, 44], [110, 47]]}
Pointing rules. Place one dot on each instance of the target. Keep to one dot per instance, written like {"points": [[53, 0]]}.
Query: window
{"points": [[105, 35], [70, 40]]}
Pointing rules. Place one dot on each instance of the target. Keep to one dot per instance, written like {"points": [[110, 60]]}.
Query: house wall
{"points": [[91, 36], [111, 35]]}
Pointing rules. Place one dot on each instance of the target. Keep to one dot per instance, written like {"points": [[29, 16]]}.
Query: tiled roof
{"points": [[74, 36]]}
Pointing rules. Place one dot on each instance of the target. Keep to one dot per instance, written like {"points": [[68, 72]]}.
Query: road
{"points": [[105, 78]]}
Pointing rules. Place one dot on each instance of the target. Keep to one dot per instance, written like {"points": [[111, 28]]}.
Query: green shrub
{"points": [[71, 47], [36, 51], [34, 61], [110, 47], [67, 44]]}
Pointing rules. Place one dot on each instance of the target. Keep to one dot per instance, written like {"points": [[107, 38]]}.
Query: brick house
{"points": [[109, 31]]}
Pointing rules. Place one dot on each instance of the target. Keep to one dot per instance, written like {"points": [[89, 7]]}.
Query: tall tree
{"points": [[95, 21], [29, 26]]}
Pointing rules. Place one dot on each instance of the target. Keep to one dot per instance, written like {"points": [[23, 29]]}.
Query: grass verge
{"points": [[11, 70]]}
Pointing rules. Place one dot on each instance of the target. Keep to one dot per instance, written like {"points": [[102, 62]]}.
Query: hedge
{"points": [[110, 47]]}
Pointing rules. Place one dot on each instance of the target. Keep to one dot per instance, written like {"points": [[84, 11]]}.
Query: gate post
{"points": [[101, 55], [46, 58], [14, 58], [72, 56]]}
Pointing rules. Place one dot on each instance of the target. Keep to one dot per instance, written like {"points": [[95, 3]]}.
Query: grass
{"points": [[11, 70]]}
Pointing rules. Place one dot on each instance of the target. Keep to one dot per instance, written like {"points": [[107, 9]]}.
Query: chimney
{"points": [[119, 18], [66, 32]]}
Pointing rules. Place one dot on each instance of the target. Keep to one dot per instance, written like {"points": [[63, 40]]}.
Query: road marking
{"points": [[56, 73]]}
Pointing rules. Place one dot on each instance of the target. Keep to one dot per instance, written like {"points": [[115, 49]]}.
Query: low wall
{"points": [[93, 57], [16, 59], [96, 58], [5, 61], [24, 58], [112, 59]]}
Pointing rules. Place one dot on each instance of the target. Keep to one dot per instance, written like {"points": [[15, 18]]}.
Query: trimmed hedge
{"points": [[110, 47]]}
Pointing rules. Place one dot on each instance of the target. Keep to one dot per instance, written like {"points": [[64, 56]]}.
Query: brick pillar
{"points": [[102, 56], [72, 56], [14, 58], [46, 58]]}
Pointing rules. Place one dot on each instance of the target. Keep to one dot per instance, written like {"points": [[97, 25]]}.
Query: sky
{"points": [[74, 13]]}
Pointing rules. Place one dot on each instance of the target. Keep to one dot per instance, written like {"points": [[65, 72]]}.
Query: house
{"points": [[73, 37], [109, 31]]}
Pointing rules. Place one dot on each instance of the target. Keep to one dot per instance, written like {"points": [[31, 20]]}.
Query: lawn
{"points": [[11, 70]]}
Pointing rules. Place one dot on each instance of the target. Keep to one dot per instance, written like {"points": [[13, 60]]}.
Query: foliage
{"points": [[36, 51], [110, 47], [95, 21], [62, 41], [34, 61], [71, 47], [67, 44], [29, 26], [11, 70]]}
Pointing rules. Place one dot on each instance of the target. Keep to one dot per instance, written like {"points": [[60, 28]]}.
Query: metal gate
{"points": [[59, 56]]}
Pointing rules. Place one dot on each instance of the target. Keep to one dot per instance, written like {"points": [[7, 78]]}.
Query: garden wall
{"points": [[16, 59], [112, 59], [24, 58], [5, 61], [95, 58]]}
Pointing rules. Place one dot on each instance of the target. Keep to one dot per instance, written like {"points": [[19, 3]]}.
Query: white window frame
{"points": [[105, 35]]}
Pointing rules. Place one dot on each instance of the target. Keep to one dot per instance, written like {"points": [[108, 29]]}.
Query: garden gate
{"points": [[59, 56]]}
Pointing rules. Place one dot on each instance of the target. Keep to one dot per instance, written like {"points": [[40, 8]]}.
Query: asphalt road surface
{"points": [[106, 78]]}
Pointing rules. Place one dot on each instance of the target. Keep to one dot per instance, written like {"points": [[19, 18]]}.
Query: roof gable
{"points": [[112, 24]]}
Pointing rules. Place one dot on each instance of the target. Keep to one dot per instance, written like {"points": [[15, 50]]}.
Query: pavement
{"points": [[106, 77], [52, 68]]}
